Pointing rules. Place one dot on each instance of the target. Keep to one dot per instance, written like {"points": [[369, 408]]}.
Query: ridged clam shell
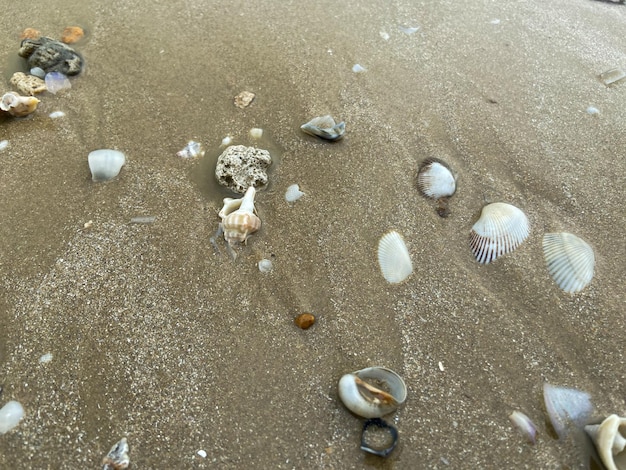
{"points": [[500, 230], [238, 218], [324, 127], [105, 164], [435, 180], [609, 438], [570, 260], [567, 408], [393, 258]]}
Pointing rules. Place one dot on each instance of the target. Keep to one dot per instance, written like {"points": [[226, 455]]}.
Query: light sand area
{"points": [[157, 337]]}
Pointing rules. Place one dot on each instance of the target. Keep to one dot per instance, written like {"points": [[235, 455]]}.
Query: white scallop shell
{"points": [[570, 260], [293, 193], [500, 230], [105, 164], [435, 180], [360, 393], [609, 438], [393, 258]]}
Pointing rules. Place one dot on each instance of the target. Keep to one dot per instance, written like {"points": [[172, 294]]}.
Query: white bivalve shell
{"points": [[393, 258], [609, 438], [105, 164], [570, 260], [10, 415], [372, 392], [238, 218], [500, 230], [435, 180], [293, 193]]}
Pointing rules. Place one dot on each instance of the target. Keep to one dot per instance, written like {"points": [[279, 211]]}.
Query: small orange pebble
{"points": [[305, 320], [72, 34], [30, 33]]}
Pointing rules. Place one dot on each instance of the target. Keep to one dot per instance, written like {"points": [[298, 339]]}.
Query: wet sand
{"points": [[158, 338]]}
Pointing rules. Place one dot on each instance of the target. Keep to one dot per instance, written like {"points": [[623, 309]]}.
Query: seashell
{"points": [[265, 265], [566, 406], [56, 81], [10, 416], [293, 193], [358, 68], [500, 230], [3, 144], [117, 458], [373, 442], [191, 150], [609, 438], [372, 392], [393, 258], [238, 218], [256, 133], [570, 260], [28, 84], [105, 164], [226, 141], [435, 180], [305, 321], [38, 72], [525, 426], [18, 106], [72, 34], [56, 114], [324, 127]]}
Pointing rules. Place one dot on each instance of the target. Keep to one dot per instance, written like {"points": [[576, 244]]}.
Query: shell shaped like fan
{"points": [[435, 180], [393, 258], [500, 230], [570, 261]]}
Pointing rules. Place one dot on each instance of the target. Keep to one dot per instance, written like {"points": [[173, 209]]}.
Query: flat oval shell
{"points": [[435, 180], [393, 258], [570, 260], [500, 230]]}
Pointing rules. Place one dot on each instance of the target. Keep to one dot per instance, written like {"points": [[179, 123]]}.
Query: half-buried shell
{"points": [[325, 128], [393, 258], [435, 180], [500, 230], [570, 260]]}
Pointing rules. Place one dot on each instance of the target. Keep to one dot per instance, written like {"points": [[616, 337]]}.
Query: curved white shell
{"points": [[238, 218], [570, 260], [17, 105], [105, 164], [360, 392], [10, 416], [435, 180], [393, 258], [293, 193], [609, 438], [324, 127], [500, 230], [566, 406], [525, 425]]}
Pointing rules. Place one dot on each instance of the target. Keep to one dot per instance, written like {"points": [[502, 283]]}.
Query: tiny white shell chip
{"points": [[356, 68], [393, 258], [570, 261], [10, 416], [435, 180], [202, 454], [500, 230], [384, 35], [593, 110], [191, 150], [293, 193], [226, 141], [265, 265], [45, 358], [105, 164], [256, 133], [409, 29], [56, 115], [525, 426], [3, 144]]}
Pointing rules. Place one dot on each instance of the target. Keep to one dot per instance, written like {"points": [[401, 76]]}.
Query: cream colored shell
{"points": [[394, 258], [238, 218], [609, 438], [17, 105], [570, 260], [360, 392]]}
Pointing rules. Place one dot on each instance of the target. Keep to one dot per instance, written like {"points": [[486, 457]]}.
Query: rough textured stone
{"points": [[51, 56], [240, 167]]}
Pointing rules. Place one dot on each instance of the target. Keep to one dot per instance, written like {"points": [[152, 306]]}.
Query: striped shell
{"points": [[435, 180], [570, 261], [393, 258], [500, 230], [238, 218]]}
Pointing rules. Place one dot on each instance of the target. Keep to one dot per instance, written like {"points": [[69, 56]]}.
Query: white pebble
{"points": [[265, 265], [45, 358], [384, 35], [293, 193], [256, 133], [356, 68], [495, 21], [441, 366], [202, 454], [3, 144], [409, 29], [57, 114], [593, 110], [10, 416], [227, 141]]}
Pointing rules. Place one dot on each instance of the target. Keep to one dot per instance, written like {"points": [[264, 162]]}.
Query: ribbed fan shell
{"points": [[570, 260], [393, 258], [435, 180]]}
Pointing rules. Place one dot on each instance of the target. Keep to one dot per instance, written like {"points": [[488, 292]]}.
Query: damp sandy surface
{"points": [[157, 337]]}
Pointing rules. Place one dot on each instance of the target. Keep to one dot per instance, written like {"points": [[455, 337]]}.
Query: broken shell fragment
{"points": [[570, 261], [17, 105], [105, 164], [372, 392], [244, 99], [609, 438], [393, 258], [238, 218], [500, 230], [325, 128], [191, 150], [117, 458], [28, 84], [293, 193], [524, 425], [566, 406], [435, 180]]}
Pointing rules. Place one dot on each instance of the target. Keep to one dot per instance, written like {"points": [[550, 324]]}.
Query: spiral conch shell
{"points": [[610, 440], [238, 218], [17, 105]]}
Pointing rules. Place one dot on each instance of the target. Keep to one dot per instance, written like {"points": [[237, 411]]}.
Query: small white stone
{"points": [[441, 366], [202, 454], [356, 68], [293, 193], [495, 21], [265, 265], [226, 141], [409, 29], [57, 114], [45, 358], [384, 35], [10, 416], [3, 144], [256, 133], [593, 110]]}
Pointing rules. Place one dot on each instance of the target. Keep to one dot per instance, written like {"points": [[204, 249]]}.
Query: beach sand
{"points": [[158, 337]]}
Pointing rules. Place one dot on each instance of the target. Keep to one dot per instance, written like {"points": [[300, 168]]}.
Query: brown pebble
{"points": [[30, 33], [72, 34], [305, 320]]}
